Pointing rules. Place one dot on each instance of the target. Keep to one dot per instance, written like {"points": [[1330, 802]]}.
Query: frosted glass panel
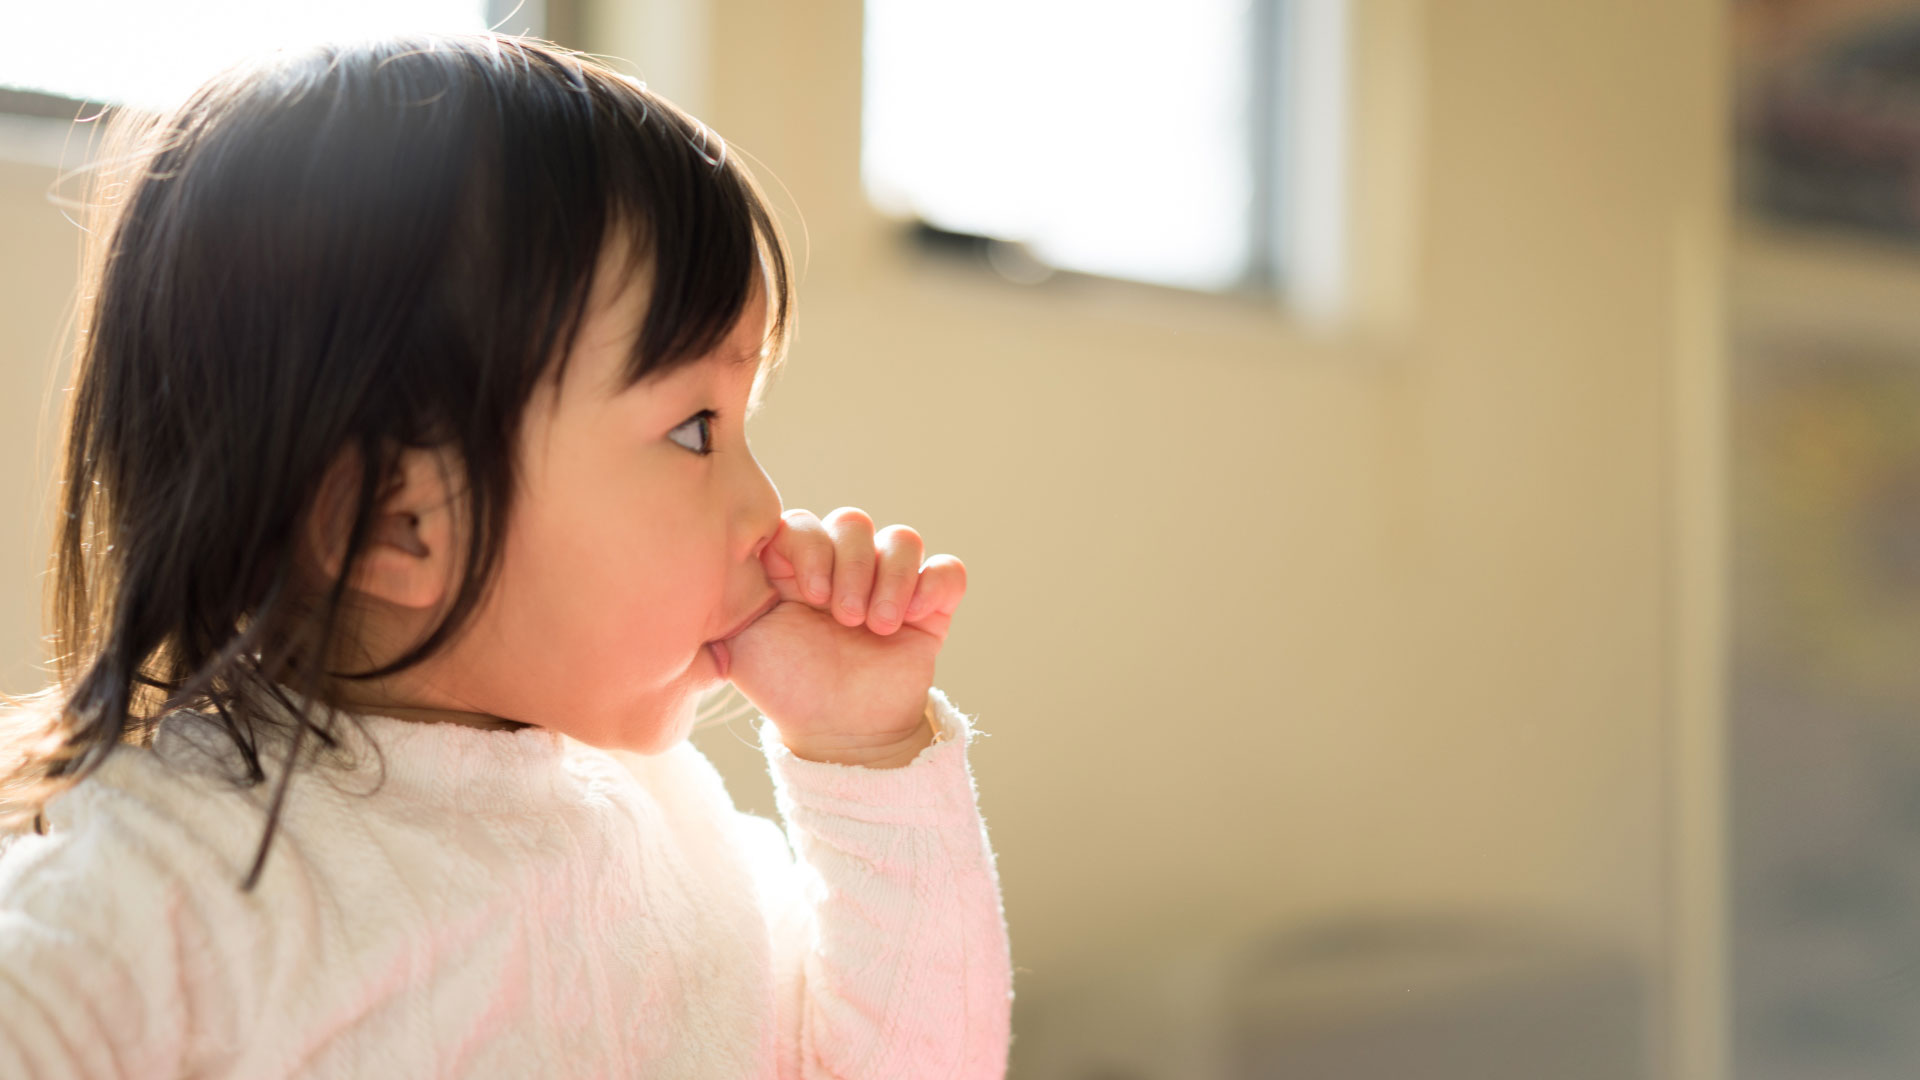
{"points": [[1823, 736], [1112, 137]]}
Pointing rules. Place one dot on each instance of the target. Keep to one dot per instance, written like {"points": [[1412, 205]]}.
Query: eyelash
{"points": [[707, 415]]}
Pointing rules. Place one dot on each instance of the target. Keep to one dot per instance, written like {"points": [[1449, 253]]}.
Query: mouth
{"points": [[770, 603], [717, 648]]}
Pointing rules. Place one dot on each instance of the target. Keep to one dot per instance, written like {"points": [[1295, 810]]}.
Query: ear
{"points": [[408, 558]]}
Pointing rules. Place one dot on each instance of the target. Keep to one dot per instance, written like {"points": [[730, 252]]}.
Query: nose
{"points": [[760, 510]]}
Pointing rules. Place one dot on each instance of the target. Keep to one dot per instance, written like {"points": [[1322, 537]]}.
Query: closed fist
{"points": [[842, 664]]}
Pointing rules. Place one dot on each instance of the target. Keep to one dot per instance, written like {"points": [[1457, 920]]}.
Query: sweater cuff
{"points": [[934, 788]]}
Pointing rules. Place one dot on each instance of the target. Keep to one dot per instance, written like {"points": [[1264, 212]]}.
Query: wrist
{"points": [[870, 752]]}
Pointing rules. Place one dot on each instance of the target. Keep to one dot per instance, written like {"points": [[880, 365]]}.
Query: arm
{"points": [[901, 966], [894, 961]]}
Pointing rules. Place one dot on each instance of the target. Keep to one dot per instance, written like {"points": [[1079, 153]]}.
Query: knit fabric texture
{"points": [[470, 902]]}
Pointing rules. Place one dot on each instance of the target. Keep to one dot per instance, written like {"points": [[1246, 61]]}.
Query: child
{"points": [[408, 511]]}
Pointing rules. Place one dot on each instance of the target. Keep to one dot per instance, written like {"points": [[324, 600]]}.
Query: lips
{"points": [[770, 603], [717, 648]]}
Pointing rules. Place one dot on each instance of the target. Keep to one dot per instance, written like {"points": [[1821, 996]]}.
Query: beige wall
{"points": [[39, 264], [1268, 626]]}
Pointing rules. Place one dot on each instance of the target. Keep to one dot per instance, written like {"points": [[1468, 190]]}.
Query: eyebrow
{"points": [[737, 365]]}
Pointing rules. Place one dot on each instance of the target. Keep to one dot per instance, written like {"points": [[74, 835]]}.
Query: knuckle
{"points": [[899, 536], [854, 551], [854, 556], [800, 534], [951, 568]]}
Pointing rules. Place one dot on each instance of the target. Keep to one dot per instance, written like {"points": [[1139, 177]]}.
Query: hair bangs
{"points": [[619, 157]]}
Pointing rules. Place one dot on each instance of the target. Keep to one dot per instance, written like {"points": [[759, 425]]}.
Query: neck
{"points": [[429, 714], [412, 695]]}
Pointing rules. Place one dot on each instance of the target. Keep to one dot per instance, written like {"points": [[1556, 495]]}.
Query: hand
{"points": [[843, 663]]}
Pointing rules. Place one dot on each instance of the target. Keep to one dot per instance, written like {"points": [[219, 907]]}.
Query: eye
{"points": [[703, 421]]}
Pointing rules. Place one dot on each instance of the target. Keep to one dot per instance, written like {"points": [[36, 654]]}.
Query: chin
{"points": [[657, 733]]}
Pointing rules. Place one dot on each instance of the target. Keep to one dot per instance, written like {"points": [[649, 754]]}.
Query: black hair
{"points": [[359, 247]]}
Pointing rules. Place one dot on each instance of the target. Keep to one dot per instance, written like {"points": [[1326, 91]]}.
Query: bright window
{"points": [[157, 51], [1155, 140]]}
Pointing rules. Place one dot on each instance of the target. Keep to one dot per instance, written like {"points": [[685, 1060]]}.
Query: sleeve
{"points": [[891, 953], [98, 941]]}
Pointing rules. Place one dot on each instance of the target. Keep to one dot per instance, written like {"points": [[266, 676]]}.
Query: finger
{"points": [[803, 544], [779, 567], [853, 561], [772, 556], [942, 585], [897, 550]]}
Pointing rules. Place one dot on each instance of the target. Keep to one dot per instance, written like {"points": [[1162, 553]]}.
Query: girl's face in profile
{"points": [[627, 548]]}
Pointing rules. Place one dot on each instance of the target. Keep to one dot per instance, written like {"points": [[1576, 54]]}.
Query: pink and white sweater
{"points": [[506, 904]]}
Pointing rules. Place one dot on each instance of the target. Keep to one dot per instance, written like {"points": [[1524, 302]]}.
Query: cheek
{"points": [[605, 589]]}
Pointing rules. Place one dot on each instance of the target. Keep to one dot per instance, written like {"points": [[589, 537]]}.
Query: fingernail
{"points": [[886, 611], [851, 605], [817, 588]]}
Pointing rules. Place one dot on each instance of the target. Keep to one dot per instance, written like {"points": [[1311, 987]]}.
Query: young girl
{"points": [[408, 513]]}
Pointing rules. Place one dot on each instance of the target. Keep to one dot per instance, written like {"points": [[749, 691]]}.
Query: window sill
{"points": [[1243, 321]]}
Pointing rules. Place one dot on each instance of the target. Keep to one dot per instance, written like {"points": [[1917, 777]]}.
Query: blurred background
{"points": [[1440, 484]]}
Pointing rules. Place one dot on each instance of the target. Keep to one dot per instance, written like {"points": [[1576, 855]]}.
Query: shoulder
{"points": [[173, 811], [128, 910]]}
